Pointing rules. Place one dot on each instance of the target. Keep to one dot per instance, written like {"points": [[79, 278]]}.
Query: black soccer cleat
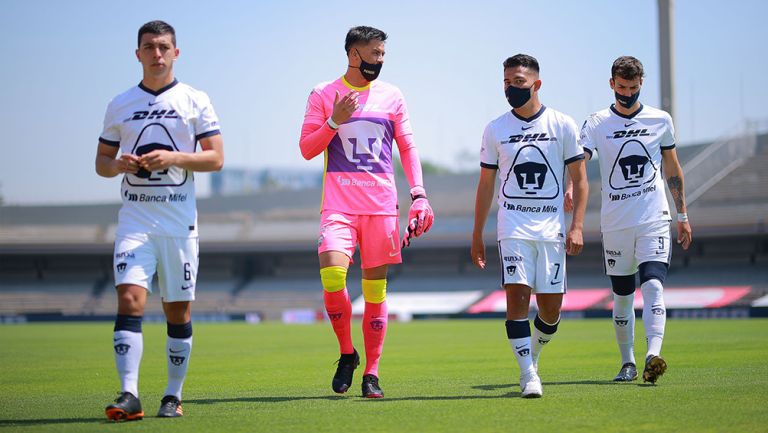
{"points": [[342, 380], [125, 408], [170, 407], [371, 388], [628, 373], [655, 366]]}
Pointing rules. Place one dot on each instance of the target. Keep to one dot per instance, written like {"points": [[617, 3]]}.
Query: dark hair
{"points": [[627, 67], [363, 34], [523, 60], [157, 27]]}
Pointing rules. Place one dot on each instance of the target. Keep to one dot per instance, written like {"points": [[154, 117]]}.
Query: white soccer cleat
{"points": [[530, 384]]}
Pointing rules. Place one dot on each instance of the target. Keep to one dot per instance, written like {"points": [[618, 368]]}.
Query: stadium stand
{"points": [[258, 250]]}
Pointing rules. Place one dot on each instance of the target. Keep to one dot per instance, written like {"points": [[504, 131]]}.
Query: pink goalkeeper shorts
{"points": [[377, 235]]}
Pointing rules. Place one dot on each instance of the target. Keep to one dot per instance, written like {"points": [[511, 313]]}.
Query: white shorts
{"points": [[624, 250], [539, 265], [138, 256]]}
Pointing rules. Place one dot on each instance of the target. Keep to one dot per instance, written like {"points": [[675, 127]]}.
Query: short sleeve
{"points": [[668, 139], [572, 150], [586, 136], [489, 154], [110, 133], [206, 123]]}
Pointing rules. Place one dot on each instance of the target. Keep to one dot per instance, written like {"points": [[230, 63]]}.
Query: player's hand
{"points": [[127, 163], [157, 160], [684, 234], [478, 251], [568, 201], [344, 107], [420, 219], [574, 242]]}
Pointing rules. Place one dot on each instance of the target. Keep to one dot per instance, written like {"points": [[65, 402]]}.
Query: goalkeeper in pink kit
{"points": [[354, 121]]}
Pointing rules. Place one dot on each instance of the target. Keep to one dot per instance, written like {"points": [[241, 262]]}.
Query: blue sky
{"points": [[64, 61]]}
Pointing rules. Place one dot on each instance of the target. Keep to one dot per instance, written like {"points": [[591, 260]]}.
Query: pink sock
{"points": [[339, 310], [374, 331]]}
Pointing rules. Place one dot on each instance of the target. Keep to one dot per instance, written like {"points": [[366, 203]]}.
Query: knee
{"points": [[549, 307], [549, 313], [623, 285], [333, 278], [653, 271], [375, 291], [130, 302], [178, 312]]}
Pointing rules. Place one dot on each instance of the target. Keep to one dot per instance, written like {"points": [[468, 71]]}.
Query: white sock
{"points": [[624, 325], [522, 349], [129, 347], [178, 350], [543, 333], [654, 315]]}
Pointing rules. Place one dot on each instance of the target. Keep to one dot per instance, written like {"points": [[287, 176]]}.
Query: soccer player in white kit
{"points": [[156, 126], [530, 148], [636, 146]]}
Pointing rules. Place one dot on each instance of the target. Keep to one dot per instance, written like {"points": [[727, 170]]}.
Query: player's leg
{"points": [[518, 260], [336, 246], [551, 285], [375, 319], [129, 346], [379, 247], [177, 278], [624, 324], [134, 266], [179, 349], [653, 253], [620, 265], [519, 335]]}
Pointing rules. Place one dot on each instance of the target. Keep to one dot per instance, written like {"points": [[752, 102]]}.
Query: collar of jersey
{"points": [[532, 118], [359, 89], [616, 112], [158, 92]]}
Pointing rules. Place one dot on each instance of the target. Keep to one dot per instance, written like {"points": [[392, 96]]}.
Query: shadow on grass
{"points": [[262, 399], [572, 382], [274, 399], [444, 397], [25, 422]]}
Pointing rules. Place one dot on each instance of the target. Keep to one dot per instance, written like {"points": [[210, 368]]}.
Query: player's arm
{"points": [[568, 193], [574, 241], [210, 158], [483, 200], [107, 165], [420, 215], [674, 175], [316, 134]]}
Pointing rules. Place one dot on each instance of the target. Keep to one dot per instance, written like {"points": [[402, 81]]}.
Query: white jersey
{"points": [[630, 149], [530, 156], [139, 121]]}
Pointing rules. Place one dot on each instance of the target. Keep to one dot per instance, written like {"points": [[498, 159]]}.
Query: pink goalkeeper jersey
{"points": [[359, 177]]}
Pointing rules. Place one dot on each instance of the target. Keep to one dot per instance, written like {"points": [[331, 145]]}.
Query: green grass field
{"points": [[438, 376]]}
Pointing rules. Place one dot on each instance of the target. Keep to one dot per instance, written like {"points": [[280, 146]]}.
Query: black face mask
{"points": [[627, 101], [516, 96], [370, 71]]}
